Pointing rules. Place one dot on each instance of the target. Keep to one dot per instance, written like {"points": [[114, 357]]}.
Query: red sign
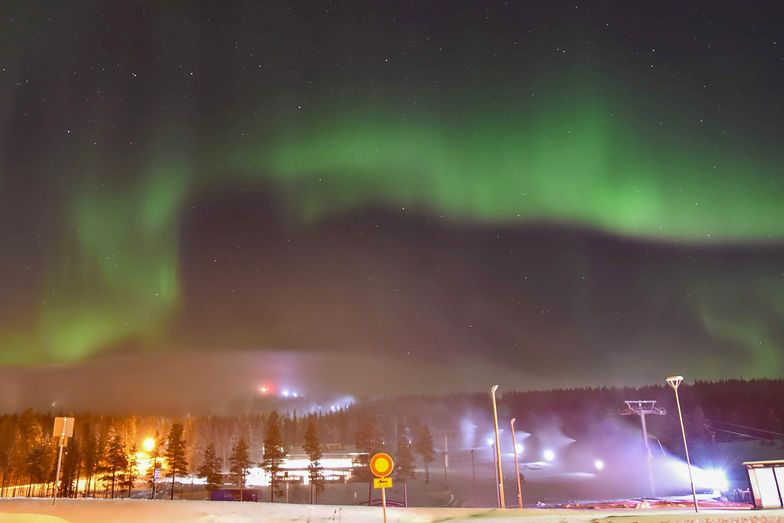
{"points": [[381, 465]]}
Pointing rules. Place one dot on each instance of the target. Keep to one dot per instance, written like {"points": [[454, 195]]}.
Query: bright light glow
{"points": [[548, 455], [490, 441], [295, 394], [598, 464], [715, 479], [519, 448], [148, 444], [264, 389], [285, 393]]}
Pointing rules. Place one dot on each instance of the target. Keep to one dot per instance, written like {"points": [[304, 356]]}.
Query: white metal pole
{"points": [[686, 448], [384, 502], [446, 450], [495, 471], [59, 461], [675, 382], [517, 467], [473, 475], [501, 500]]}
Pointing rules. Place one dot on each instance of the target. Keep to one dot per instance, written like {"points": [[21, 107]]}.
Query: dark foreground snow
{"points": [[19, 510]]}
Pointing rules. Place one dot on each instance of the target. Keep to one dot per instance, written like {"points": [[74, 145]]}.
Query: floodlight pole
{"points": [[495, 472], [473, 474], [446, 459], [517, 467], [674, 382], [499, 472]]}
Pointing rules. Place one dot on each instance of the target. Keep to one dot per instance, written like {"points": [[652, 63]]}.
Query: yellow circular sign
{"points": [[381, 465]]}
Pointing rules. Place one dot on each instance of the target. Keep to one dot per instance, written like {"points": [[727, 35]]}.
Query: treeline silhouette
{"points": [[99, 456]]}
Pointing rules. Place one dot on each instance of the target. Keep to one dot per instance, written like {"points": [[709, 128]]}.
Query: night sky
{"points": [[451, 193]]}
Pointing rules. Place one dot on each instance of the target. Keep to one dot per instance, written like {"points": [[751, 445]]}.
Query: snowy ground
{"points": [[18, 510]]}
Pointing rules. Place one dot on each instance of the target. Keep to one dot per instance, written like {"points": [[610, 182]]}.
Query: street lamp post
{"points": [[674, 382], [446, 486], [499, 471], [517, 467], [154, 476], [446, 459], [473, 474], [495, 472]]}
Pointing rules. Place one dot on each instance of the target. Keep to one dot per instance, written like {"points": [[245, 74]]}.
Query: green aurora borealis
{"points": [[588, 141]]}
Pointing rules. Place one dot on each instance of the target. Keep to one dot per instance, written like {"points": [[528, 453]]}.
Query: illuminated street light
{"points": [[517, 448], [675, 382], [548, 455], [148, 444], [501, 500], [598, 464]]}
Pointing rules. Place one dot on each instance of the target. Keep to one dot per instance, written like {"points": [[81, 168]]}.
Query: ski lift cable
{"points": [[779, 434], [743, 434]]}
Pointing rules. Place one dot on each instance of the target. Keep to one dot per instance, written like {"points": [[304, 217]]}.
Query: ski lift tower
{"points": [[643, 408]]}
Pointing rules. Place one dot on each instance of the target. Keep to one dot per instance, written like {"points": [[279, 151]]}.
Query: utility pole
{"points": [[643, 408]]}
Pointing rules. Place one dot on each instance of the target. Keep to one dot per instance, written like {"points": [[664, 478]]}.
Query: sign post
{"points": [[381, 465], [63, 429], [156, 475]]}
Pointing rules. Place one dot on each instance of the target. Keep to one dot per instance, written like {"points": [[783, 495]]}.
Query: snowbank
{"points": [[19, 510]]}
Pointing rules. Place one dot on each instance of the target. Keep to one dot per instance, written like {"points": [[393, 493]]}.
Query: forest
{"points": [[102, 458]]}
